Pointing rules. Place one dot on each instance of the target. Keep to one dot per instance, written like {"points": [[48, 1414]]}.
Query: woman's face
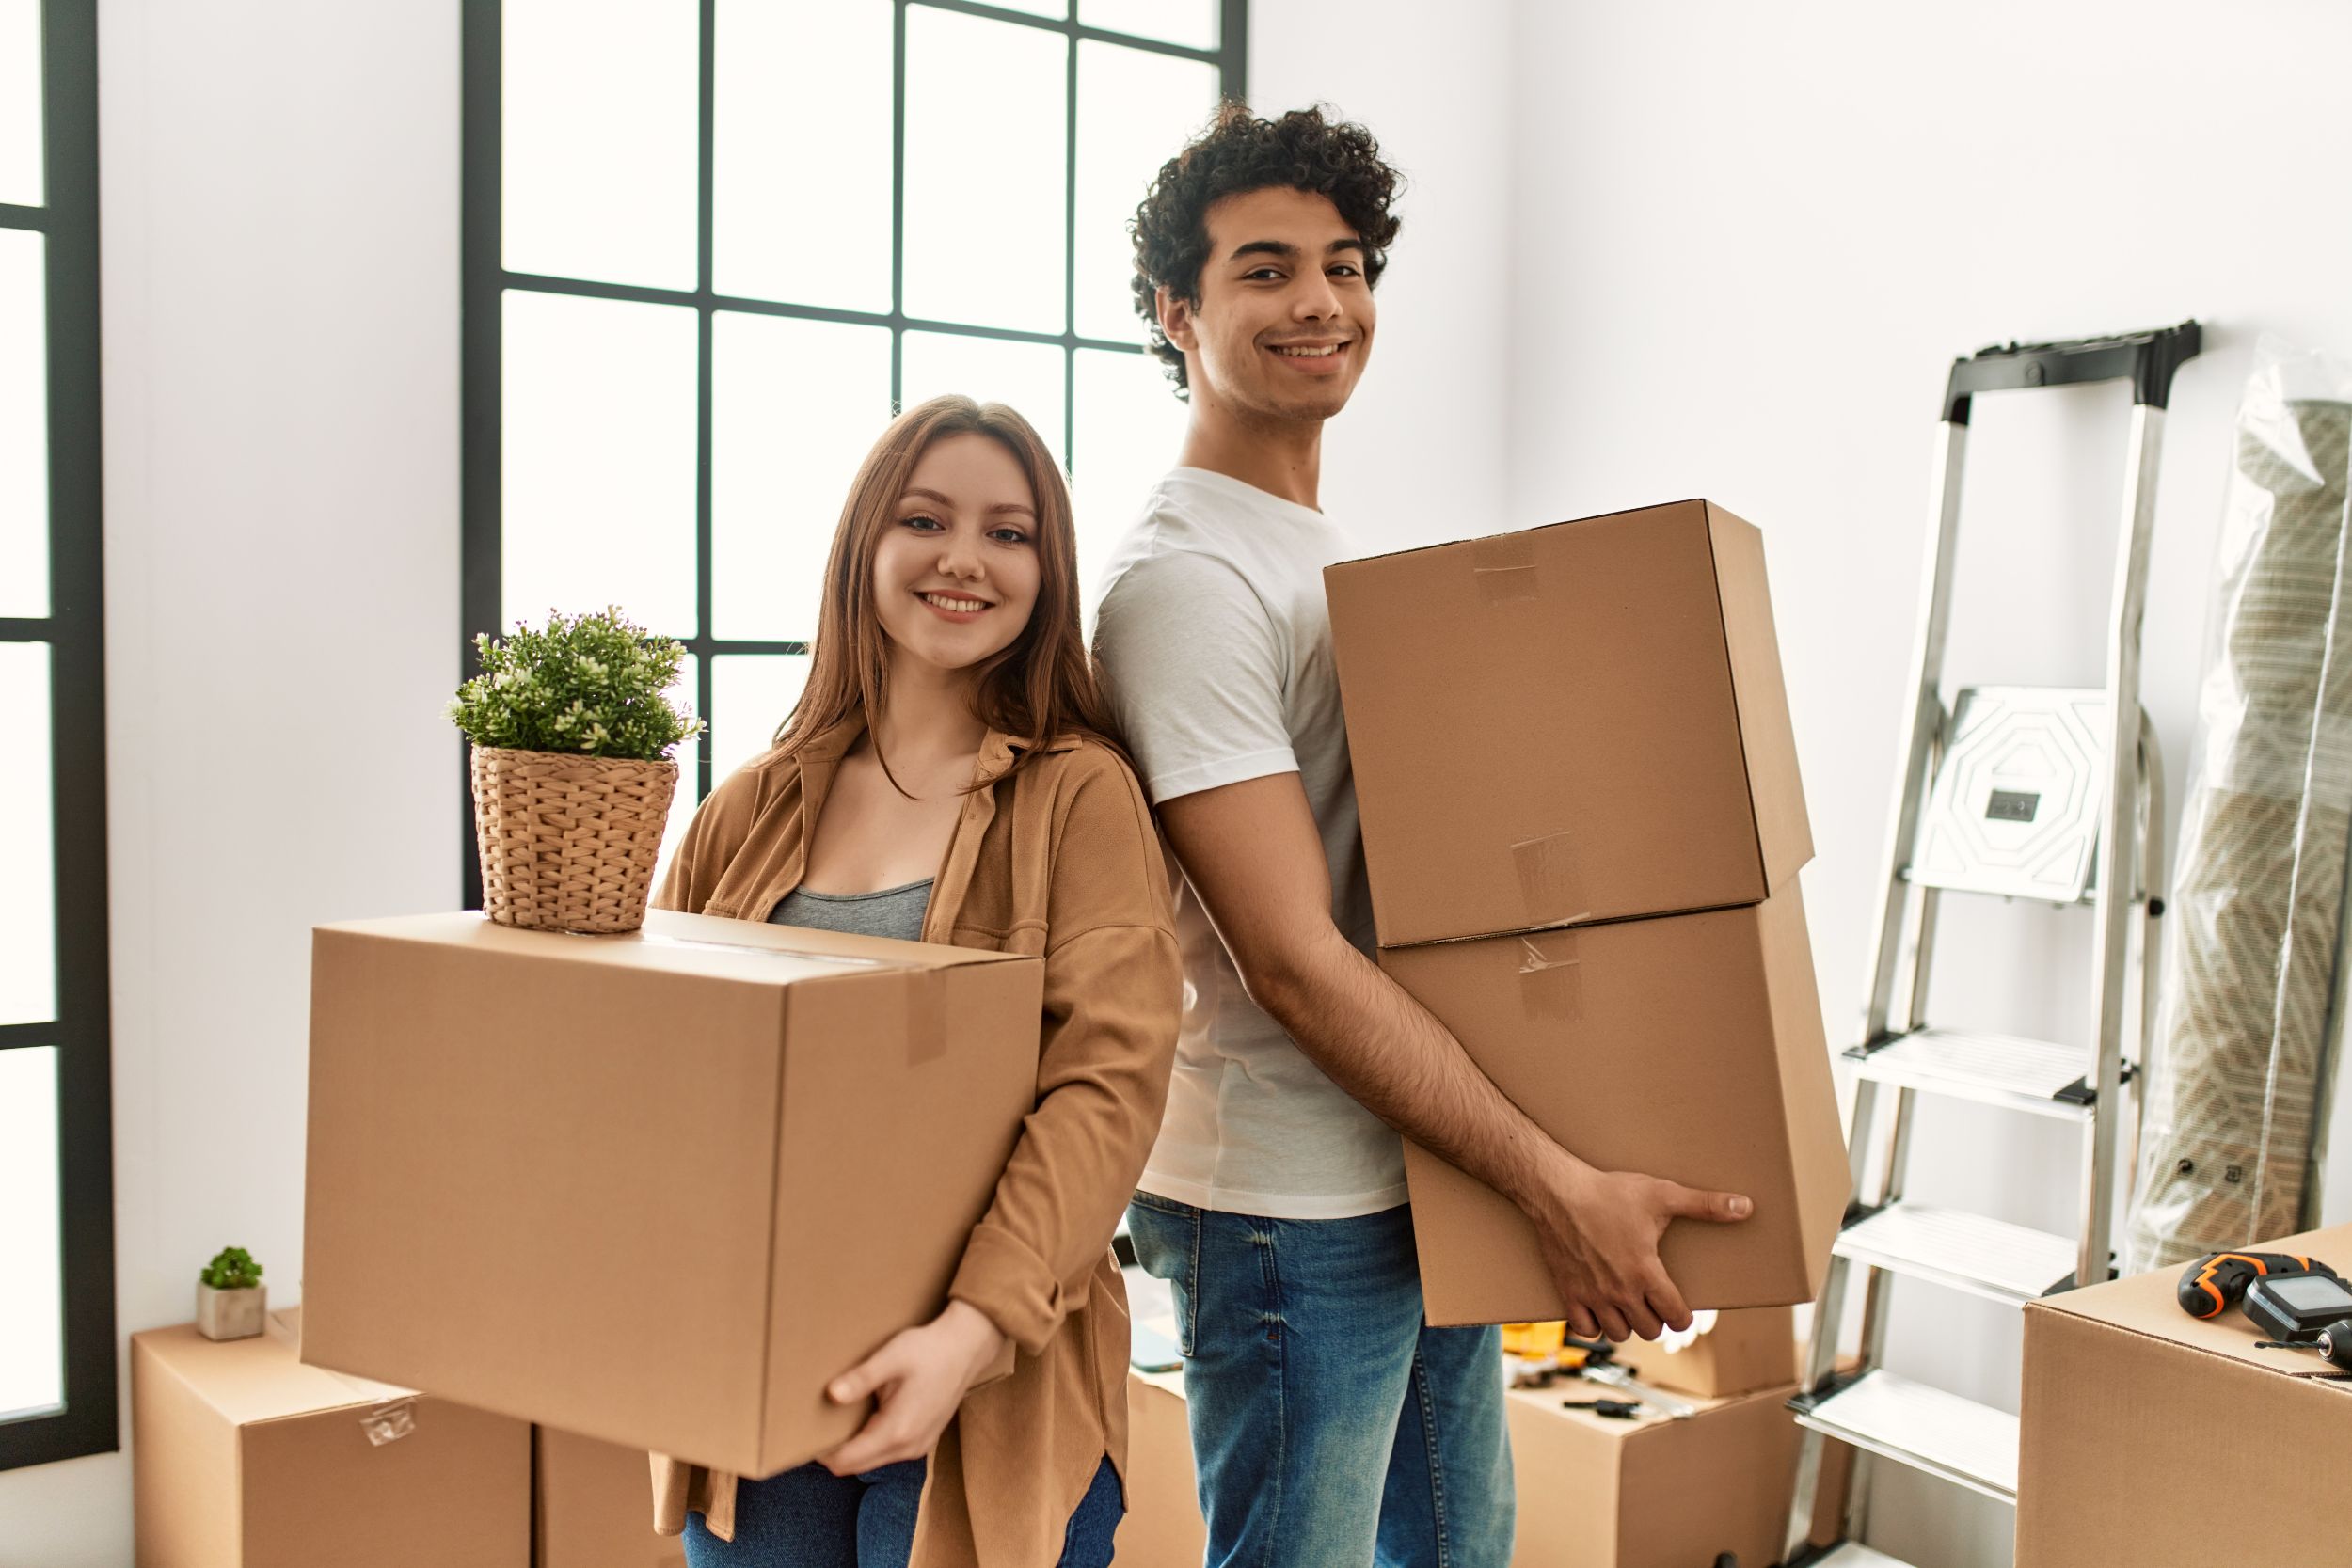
{"points": [[955, 572]]}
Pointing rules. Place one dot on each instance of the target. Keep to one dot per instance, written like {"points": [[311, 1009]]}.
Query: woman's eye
{"points": [[921, 521], [1010, 536]]}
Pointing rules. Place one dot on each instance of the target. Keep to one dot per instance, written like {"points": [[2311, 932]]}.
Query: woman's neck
{"points": [[926, 719]]}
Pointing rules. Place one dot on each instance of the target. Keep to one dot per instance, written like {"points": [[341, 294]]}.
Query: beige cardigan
{"points": [[1059, 860]]}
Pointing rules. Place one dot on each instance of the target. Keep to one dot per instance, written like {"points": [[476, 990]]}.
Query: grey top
{"points": [[894, 912]]}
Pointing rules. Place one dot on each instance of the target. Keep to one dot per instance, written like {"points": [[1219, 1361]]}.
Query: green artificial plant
{"points": [[595, 683]]}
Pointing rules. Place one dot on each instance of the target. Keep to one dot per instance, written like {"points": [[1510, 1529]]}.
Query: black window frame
{"points": [[74, 629], [485, 280]]}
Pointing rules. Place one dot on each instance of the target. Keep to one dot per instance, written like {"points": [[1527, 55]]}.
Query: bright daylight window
{"points": [[56, 1206], [711, 246]]}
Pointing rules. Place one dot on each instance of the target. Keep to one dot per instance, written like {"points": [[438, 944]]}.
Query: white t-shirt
{"points": [[1216, 645]]}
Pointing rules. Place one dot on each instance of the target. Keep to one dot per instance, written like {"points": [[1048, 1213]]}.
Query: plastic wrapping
{"points": [[2251, 932]]}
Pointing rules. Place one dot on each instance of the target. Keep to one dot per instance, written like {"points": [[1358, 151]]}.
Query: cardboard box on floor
{"points": [[1745, 1351], [2144, 1431], [1592, 1493], [1688, 1048], [243, 1457], [591, 1506], [655, 1189], [1576, 723]]}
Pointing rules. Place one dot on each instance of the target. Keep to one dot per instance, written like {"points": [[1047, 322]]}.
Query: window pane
{"points": [[794, 406], [601, 139], [32, 1308], [1027, 376], [24, 427], [750, 695], [801, 184], [1134, 109], [20, 108], [687, 755], [985, 188], [598, 440], [1130, 428], [28, 888], [1193, 22]]}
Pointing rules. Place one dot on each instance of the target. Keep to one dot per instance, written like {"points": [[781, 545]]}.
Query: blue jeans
{"points": [[809, 1517], [1330, 1427]]}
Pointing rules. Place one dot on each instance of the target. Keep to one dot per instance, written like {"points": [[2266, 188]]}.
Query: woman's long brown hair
{"points": [[1039, 688]]}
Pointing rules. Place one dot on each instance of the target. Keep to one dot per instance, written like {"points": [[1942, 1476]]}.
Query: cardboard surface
{"points": [[2141, 1428], [1689, 1047], [1163, 1527], [246, 1458], [1746, 1350], [591, 1506], [684, 1177], [1577, 723]]}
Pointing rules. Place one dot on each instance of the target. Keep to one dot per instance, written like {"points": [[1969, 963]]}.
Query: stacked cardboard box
{"points": [[591, 1506], [654, 1189], [1741, 1352], [246, 1458], [2143, 1429], [1583, 825]]}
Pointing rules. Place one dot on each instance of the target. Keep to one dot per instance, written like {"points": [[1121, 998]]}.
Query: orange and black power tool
{"points": [[2217, 1281]]}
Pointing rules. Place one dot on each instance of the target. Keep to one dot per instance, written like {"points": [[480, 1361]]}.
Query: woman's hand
{"points": [[918, 1378]]}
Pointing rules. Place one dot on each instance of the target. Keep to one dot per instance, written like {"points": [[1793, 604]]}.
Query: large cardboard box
{"points": [[1576, 723], [591, 1506], [1745, 1351], [1689, 1047], [655, 1189], [243, 1457], [2143, 1429], [1654, 1493]]}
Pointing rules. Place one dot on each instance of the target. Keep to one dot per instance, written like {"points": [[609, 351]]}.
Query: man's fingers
{"points": [[1580, 1321], [1639, 1318], [1691, 1203], [1613, 1326], [1666, 1301]]}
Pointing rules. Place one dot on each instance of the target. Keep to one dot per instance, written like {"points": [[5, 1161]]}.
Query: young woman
{"points": [[949, 776]]}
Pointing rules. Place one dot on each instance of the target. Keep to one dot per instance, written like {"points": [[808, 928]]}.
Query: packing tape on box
{"points": [[1551, 888], [927, 1016], [390, 1423], [1551, 976], [1504, 566]]}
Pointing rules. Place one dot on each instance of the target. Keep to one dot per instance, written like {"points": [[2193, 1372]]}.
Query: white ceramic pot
{"points": [[231, 1314]]}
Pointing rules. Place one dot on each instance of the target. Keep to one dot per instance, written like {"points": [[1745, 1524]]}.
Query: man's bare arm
{"points": [[1252, 853]]}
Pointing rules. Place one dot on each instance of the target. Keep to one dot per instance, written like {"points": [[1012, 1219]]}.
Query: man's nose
{"points": [[1317, 300]]}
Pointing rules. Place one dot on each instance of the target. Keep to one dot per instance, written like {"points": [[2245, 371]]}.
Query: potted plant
{"points": [[572, 729], [231, 1299]]}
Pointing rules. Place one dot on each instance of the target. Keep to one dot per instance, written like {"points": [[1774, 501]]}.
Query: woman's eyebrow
{"points": [[914, 491]]}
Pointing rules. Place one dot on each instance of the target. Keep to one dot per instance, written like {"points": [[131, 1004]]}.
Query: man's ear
{"points": [[1176, 322]]}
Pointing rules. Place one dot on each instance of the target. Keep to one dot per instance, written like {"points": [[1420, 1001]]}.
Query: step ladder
{"points": [[2053, 795]]}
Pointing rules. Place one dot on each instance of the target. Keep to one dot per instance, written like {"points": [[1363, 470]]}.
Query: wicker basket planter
{"points": [[568, 842]]}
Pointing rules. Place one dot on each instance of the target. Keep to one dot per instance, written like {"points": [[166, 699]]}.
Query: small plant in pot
{"points": [[231, 1300], [572, 728]]}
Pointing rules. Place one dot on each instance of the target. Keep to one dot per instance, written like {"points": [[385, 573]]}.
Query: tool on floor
{"points": [[1617, 1410], [2217, 1281], [2334, 1343], [2017, 792]]}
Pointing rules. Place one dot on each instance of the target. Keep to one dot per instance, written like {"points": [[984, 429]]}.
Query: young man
{"points": [[1328, 1425]]}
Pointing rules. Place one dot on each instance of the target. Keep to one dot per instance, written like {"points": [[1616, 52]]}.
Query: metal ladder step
{"points": [[1990, 1258], [1911, 1423], [2034, 1076]]}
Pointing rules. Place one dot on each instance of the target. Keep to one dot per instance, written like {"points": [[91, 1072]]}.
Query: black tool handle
{"points": [[2217, 1281], [2148, 359]]}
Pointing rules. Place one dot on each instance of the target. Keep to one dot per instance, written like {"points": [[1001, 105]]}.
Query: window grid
{"points": [[486, 280], [74, 629]]}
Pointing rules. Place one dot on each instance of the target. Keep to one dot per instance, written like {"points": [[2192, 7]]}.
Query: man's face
{"points": [[1284, 322]]}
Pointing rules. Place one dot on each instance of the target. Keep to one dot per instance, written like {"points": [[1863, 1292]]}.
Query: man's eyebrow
{"points": [[948, 502], [1286, 251]]}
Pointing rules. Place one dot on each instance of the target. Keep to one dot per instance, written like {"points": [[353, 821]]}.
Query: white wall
{"points": [[1749, 241], [279, 298], [1419, 456]]}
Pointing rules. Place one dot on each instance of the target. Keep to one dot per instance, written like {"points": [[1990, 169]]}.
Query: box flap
{"points": [[701, 944], [1768, 741], [2145, 1304], [260, 1379]]}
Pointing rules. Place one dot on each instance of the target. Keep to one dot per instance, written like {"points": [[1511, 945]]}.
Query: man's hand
{"points": [[1599, 1231], [918, 1378]]}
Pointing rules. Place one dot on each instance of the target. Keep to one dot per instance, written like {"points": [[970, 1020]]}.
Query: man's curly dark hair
{"points": [[1241, 153]]}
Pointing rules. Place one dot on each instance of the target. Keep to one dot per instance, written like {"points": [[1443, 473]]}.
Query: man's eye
{"points": [[1265, 272]]}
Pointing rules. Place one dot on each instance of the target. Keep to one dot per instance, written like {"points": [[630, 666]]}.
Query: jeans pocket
{"points": [[1166, 1237]]}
